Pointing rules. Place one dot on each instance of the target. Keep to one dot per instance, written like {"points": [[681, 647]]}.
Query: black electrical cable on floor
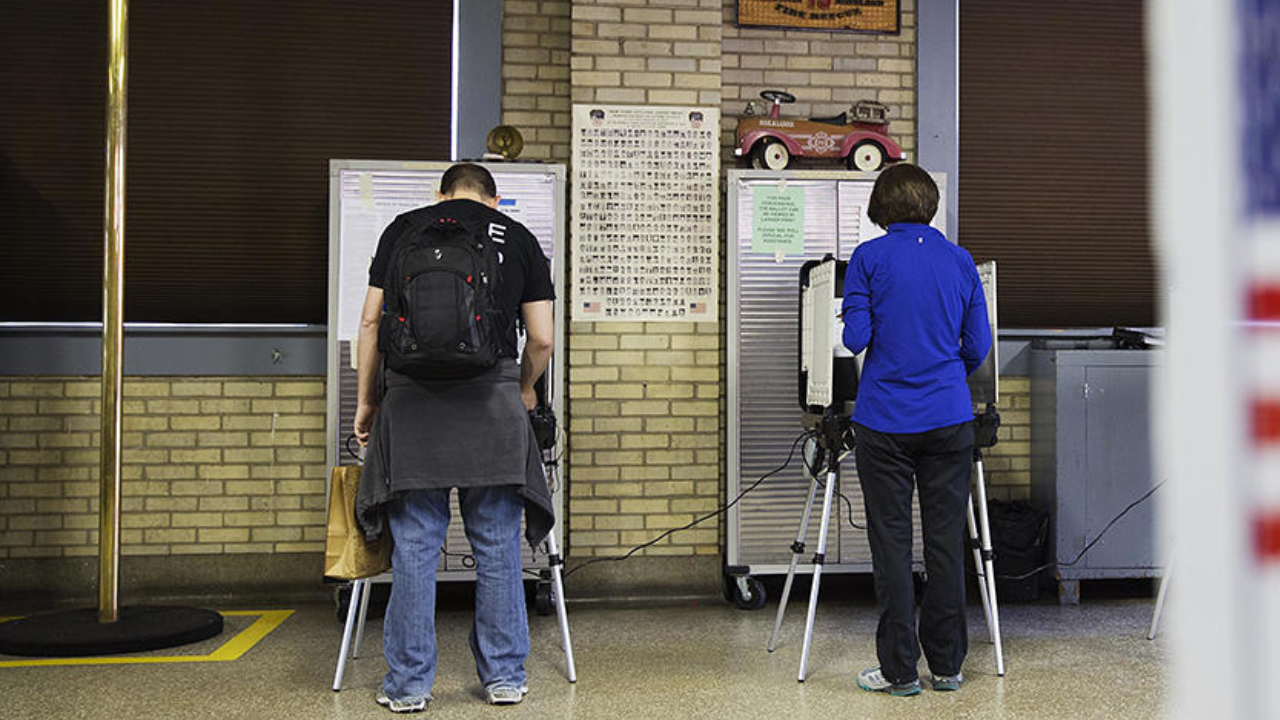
{"points": [[1093, 542], [718, 511]]}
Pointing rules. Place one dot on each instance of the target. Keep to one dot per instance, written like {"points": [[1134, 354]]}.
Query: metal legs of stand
{"points": [[818, 559], [1164, 588], [980, 537], [797, 549], [557, 586], [357, 608], [979, 533]]}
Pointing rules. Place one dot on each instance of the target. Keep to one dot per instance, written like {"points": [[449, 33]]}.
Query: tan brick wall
{"points": [[1008, 464], [655, 52], [210, 465], [827, 72], [645, 438], [535, 76], [645, 441]]}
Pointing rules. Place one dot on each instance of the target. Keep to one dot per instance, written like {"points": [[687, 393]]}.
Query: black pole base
{"points": [[77, 633]]}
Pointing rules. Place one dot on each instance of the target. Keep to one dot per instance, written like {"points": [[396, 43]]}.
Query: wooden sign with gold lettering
{"points": [[877, 16]]}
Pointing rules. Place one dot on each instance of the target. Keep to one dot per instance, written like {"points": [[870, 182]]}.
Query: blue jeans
{"points": [[419, 520]]}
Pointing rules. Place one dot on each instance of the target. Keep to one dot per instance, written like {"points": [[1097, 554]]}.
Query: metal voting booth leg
{"points": [[797, 549], [819, 559], [557, 584], [980, 539], [356, 610], [1155, 614], [353, 630], [983, 563]]}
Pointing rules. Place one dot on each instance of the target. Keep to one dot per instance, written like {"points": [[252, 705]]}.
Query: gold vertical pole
{"points": [[113, 320]]}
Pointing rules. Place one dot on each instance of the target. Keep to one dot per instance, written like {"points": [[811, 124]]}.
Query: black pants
{"points": [[939, 463]]}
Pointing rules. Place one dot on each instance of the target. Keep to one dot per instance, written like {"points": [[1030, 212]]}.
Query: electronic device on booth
{"points": [[828, 371], [984, 383]]}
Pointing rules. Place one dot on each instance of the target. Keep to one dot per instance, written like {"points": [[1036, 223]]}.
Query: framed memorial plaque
{"points": [[645, 213], [870, 16]]}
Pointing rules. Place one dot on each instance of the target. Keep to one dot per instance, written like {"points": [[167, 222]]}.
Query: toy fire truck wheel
{"points": [[867, 157], [770, 155]]}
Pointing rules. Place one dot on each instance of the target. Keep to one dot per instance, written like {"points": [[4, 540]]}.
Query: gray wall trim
{"points": [[29, 350], [479, 57], [938, 98], [191, 351]]}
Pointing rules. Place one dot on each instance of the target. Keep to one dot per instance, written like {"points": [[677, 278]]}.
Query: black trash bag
{"points": [[1020, 541]]}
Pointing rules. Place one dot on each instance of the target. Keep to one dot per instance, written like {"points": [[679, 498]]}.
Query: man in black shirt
{"points": [[428, 436]]}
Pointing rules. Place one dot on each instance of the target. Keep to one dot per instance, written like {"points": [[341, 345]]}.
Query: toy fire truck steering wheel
{"points": [[777, 96]]}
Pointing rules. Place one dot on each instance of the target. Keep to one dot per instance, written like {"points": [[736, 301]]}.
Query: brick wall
{"points": [[644, 400], [645, 446], [210, 466], [535, 76], [1008, 464], [827, 72]]}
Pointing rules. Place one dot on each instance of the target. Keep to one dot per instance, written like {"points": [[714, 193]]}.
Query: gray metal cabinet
{"points": [[1091, 458]]}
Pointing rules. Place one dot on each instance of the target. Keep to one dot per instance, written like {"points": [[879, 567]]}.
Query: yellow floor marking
{"points": [[238, 645]]}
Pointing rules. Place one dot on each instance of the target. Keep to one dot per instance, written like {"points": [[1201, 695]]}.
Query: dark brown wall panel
{"points": [[235, 108], [1053, 159]]}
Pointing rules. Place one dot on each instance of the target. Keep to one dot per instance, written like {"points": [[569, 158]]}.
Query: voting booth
{"points": [[364, 197], [777, 222]]}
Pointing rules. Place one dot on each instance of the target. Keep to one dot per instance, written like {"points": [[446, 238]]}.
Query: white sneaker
{"points": [[406, 705], [505, 694], [872, 680]]}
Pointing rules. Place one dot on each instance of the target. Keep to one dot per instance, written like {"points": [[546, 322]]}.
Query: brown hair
{"points": [[903, 193]]}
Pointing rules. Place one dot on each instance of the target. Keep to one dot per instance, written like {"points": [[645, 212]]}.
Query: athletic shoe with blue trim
{"points": [[947, 683], [872, 680]]}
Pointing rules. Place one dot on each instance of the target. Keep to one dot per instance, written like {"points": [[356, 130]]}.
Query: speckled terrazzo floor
{"points": [[668, 661]]}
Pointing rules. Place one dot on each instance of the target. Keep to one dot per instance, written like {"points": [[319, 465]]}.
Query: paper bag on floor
{"points": [[347, 556]]}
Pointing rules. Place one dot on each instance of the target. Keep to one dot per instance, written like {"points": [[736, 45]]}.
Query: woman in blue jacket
{"points": [[914, 302]]}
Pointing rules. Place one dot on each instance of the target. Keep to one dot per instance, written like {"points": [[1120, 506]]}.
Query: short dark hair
{"points": [[903, 193], [468, 176]]}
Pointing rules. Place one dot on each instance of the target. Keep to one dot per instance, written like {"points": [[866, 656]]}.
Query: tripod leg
{"points": [[979, 569], [347, 629], [797, 548], [818, 559], [364, 613], [988, 566], [557, 586], [1164, 588]]}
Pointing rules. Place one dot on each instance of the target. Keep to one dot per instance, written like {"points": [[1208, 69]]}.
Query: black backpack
{"points": [[440, 313]]}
